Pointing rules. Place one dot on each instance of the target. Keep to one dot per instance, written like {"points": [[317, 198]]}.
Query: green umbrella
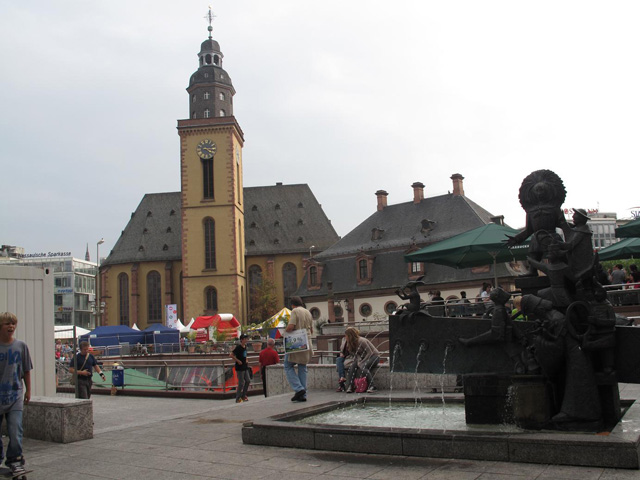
{"points": [[481, 246], [627, 248], [631, 229]]}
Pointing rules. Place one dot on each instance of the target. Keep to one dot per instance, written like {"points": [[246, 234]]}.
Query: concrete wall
{"points": [[325, 377], [28, 292]]}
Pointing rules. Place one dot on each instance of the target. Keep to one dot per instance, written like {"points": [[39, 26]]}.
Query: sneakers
{"points": [[245, 399], [342, 386], [350, 389], [372, 389], [300, 396], [239, 400]]}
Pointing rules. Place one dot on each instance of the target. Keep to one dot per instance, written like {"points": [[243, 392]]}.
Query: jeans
{"points": [[243, 383], [298, 381], [14, 429], [84, 387], [340, 367]]}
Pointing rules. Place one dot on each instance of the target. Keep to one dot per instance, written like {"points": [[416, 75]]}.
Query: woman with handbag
{"points": [[366, 358]]}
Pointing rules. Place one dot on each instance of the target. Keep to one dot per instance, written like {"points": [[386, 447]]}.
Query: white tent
{"points": [[66, 331], [182, 328]]}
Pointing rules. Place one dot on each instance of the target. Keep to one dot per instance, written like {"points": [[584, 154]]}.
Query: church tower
{"points": [[213, 251]]}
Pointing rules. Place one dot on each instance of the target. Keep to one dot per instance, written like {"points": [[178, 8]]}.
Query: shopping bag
{"points": [[361, 384], [296, 341]]}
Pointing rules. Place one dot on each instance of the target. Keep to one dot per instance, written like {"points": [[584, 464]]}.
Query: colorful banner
{"points": [[171, 312]]}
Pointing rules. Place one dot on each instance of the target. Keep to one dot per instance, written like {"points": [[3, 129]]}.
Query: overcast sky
{"points": [[347, 96]]}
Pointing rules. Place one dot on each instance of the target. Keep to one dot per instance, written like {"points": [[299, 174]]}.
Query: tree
{"points": [[264, 300]]}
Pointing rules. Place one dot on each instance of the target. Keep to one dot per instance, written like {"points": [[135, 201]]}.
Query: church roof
{"points": [[278, 219], [285, 219], [153, 233]]}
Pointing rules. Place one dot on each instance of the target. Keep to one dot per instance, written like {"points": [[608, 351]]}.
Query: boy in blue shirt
{"points": [[15, 367]]}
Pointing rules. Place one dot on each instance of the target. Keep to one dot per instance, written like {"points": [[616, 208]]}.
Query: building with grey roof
{"points": [[356, 278]]}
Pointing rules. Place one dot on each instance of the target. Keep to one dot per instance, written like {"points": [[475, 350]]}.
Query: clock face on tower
{"points": [[206, 149]]}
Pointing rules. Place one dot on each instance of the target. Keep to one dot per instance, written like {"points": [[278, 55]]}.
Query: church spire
{"points": [[210, 88], [210, 16], [87, 257]]}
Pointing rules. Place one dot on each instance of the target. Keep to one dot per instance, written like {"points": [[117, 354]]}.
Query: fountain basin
{"points": [[618, 448]]}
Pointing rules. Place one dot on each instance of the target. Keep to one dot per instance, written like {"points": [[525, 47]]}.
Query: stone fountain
{"points": [[554, 376]]}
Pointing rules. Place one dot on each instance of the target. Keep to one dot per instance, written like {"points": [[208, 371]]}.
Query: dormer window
{"points": [[165, 247], [277, 206], [168, 229], [300, 240], [426, 225], [149, 213], [252, 242], [276, 242], [300, 205], [364, 269], [276, 224], [300, 222], [145, 230], [253, 225], [254, 208], [313, 276], [376, 234], [172, 212]]}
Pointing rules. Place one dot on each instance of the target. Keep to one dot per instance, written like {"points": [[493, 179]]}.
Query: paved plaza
{"points": [[158, 438]]}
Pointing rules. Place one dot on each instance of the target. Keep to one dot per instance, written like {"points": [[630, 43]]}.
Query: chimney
{"points": [[498, 220], [382, 199], [418, 192], [457, 179]]}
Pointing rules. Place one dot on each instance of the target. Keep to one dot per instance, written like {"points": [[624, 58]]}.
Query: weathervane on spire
{"points": [[210, 16]]}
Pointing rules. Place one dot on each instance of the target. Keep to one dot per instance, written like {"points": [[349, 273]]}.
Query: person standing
{"points": [[239, 356], [84, 363], [267, 357], [618, 276], [300, 318], [15, 368]]}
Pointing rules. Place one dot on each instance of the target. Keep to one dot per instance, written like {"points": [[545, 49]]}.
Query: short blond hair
{"points": [[8, 317]]}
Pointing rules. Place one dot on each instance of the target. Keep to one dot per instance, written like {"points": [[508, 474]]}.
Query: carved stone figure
{"points": [[565, 364], [541, 196]]}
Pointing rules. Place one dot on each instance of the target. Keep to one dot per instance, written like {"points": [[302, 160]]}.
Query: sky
{"points": [[349, 97]]}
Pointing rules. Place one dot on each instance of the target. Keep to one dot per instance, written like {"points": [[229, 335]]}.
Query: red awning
{"points": [[224, 322]]}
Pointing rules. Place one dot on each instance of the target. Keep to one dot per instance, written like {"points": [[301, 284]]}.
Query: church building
{"points": [[207, 247]]}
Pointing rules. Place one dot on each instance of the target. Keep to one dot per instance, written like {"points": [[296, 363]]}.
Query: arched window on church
{"points": [[207, 178], [289, 282], [207, 113], [209, 243], [223, 113], [206, 95], [123, 298], [154, 297], [211, 300]]}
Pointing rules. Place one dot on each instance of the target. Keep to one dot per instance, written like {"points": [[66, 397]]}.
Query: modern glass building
{"points": [[74, 286]]}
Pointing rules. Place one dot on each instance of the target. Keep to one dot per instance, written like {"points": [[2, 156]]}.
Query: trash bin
{"points": [[117, 376]]}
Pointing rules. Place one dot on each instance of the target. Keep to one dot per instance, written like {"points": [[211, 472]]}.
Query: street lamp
{"points": [[98, 306]]}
